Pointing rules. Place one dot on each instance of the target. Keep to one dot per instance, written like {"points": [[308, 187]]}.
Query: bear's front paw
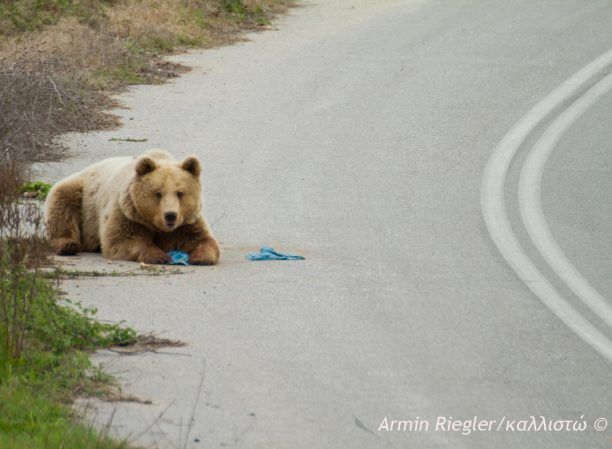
{"points": [[206, 253], [154, 256], [66, 247]]}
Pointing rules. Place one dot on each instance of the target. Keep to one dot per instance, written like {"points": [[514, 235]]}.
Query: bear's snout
{"points": [[170, 218]]}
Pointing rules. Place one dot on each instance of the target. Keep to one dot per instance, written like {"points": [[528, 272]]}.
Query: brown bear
{"points": [[132, 208]]}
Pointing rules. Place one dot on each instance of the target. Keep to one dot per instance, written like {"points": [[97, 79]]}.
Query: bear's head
{"points": [[167, 194]]}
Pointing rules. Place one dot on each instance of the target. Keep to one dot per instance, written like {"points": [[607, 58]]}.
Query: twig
{"points": [[56, 90], [197, 401], [159, 417]]}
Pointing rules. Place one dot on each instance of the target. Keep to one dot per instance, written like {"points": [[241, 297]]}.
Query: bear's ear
{"points": [[192, 165], [145, 165]]}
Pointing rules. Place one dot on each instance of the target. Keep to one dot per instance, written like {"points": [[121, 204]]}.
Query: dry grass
{"points": [[40, 97], [80, 48], [165, 24], [60, 60], [103, 61]]}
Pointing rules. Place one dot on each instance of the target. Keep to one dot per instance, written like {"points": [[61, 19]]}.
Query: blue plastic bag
{"points": [[178, 258], [267, 253]]}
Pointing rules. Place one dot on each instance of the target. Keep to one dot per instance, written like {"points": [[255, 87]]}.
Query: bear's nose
{"points": [[170, 217]]}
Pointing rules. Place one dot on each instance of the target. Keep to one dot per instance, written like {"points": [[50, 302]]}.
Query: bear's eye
{"points": [[158, 194], [179, 195]]}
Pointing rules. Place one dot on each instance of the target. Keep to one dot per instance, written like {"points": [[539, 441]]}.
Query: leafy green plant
{"points": [[44, 340], [32, 316], [69, 326], [40, 188]]}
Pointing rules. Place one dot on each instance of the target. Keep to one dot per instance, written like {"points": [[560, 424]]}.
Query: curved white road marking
{"points": [[530, 200], [494, 212]]}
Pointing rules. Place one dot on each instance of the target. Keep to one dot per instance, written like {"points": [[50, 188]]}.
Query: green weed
{"points": [[44, 341], [40, 188], [31, 417], [38, 382], [129, 139]]}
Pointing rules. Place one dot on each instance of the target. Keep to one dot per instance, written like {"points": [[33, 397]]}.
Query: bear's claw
{"points": [[154, 257], [207, 253], [68, 247]]}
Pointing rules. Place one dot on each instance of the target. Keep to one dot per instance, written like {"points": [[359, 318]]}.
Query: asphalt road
{"points": [[369, 137]]}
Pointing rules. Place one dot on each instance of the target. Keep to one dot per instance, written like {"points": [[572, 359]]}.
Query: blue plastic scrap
{"points": [[267, 253], [178, 258]]}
